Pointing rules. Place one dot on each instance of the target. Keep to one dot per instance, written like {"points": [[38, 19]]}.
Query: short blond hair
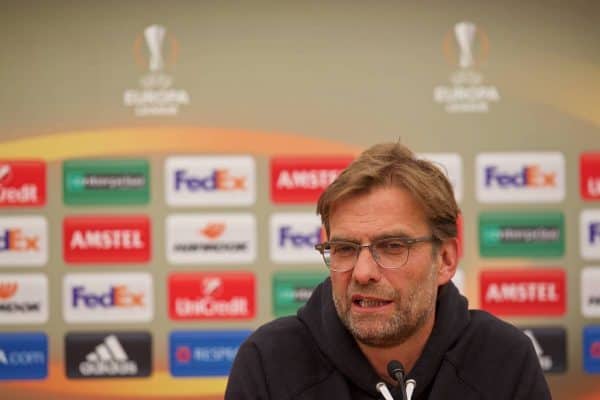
{"points": [[392, 164]]}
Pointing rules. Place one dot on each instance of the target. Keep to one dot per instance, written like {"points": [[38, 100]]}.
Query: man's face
{"points": [[383, 307]]}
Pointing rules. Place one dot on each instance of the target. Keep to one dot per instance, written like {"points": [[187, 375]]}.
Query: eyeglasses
{"points": [[388, 253]]}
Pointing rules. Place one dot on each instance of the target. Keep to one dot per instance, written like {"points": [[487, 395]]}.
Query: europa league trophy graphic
{"points": [[155, 35], [465, 36]]}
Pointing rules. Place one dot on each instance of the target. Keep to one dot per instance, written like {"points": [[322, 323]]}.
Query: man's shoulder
{"points": [[282, 331], [487, 349]]}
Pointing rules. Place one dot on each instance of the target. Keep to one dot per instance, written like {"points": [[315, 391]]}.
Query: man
{"points": [[390, 220]]}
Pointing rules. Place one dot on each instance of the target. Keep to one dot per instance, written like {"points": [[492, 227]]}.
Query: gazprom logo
{"points": [[520, 177], [294, 236]]}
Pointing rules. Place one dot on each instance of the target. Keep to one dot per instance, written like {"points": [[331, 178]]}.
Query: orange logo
{"points": [[8, 290], [214, 230]]}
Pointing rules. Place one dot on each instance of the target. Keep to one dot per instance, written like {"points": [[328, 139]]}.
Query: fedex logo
{"points": [[589, 176], [116, 296], [302, 179], [523, 292], [210, 180], [15, 240], [219, 179], [23, 241], [212, 296], [520, 177], [589, 234], [294, 236], [22, 183], [95, 298], [287, 235], [529, 175]]}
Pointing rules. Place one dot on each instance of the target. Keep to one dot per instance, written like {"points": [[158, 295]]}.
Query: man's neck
{"points": [[407, 352]]}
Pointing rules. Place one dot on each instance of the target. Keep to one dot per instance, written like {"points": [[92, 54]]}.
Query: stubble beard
{"points": [[411, 312]]}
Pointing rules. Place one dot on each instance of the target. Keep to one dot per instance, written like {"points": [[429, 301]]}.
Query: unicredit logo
{"points": [[212, 296], [523, 292], [589, 167], [303, 179], [22, 183], [528, 176], [107, 239]]}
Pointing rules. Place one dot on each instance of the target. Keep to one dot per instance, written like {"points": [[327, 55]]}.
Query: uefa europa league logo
{"points": [[465, 37], [155, 35]]}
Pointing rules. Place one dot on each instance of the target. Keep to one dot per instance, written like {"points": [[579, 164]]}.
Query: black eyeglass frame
{"points": [[406, 241]]}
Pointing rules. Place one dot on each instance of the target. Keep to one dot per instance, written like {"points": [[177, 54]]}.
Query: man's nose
{"points": [[366, 268]]}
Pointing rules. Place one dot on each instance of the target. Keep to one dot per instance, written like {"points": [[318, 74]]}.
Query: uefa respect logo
{"points": [[467, 47], [156, 50]]}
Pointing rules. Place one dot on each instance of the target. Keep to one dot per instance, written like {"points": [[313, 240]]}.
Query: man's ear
{"points": [[447, 258]]}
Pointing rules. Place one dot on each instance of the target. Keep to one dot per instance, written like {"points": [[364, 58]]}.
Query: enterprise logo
{"points": [[88, 182], [210, 181], [211, 238], [291, 290], [520, 177], [518, 234]]}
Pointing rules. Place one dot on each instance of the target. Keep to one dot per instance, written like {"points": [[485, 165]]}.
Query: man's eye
{"points": [[392, 246], [343, 250]]}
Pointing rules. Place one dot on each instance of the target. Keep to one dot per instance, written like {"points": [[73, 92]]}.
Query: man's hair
{"points": [[394, 165]]}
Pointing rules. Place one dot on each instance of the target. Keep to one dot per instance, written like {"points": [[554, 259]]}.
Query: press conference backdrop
{"points": [[160, 163]]}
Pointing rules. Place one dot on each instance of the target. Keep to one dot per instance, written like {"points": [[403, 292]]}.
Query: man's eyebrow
{"points": [[343, 239], [384, 235], [393, 234]]}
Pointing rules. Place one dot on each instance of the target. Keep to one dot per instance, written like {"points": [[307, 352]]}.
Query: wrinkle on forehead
{"points": [[383, 211]]}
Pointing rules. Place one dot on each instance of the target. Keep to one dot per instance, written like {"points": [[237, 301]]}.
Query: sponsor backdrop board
{"points": [[160, 163]]}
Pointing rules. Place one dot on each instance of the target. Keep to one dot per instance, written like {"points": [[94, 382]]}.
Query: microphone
{"points": [[395, 370]]}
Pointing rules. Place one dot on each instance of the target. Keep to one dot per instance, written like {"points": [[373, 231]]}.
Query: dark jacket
{"points": [[469, 355]]}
